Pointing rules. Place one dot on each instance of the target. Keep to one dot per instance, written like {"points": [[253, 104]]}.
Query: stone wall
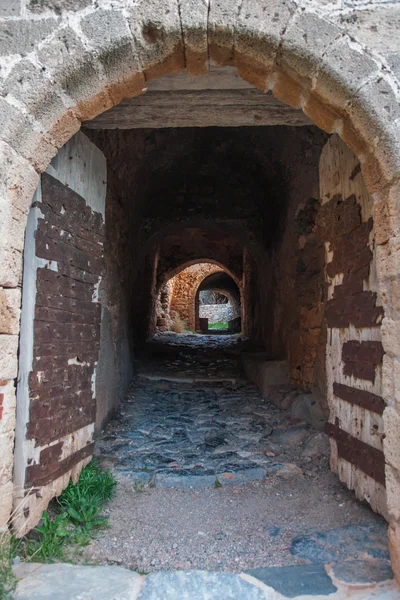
{"points": [[216, 313], [185, 286]]}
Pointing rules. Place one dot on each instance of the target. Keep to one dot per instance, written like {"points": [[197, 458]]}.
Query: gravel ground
{"points": [[229, 528], [235, 527]]}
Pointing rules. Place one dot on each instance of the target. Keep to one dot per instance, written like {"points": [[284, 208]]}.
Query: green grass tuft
{"points": [[78, 516], [218, 325]]}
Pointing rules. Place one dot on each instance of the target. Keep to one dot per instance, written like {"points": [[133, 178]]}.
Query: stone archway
{"points": [[186, 282], [341, 87]]}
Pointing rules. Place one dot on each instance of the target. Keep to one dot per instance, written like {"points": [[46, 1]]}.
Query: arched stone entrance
{"points": [[340, 86]]}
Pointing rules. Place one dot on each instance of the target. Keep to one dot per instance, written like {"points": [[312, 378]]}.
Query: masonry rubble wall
{"points": [[216, 313]]}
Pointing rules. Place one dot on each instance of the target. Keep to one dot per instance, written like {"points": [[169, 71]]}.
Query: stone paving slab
{"points": [[297, 580], [362, 572], [200, 585], [351, 542], [75, 582]]}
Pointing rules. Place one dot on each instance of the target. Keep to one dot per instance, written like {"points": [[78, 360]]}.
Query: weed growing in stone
{"points": [[7, 579], [74, 518]]}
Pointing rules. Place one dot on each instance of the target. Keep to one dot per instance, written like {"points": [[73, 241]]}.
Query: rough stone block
{"points": [[393, 59], [6, 491], [18, 132], [156, 29], [10, 267], [18, 179], [344, 69], [27, 84], [6, 448], [306, 408], [57, 6], [304, 42], [265, 373], [258, 34], [10, 305], [221, 30], [393, 492], [387, 379], [10, 8], [386, 214], [375, 111], [106, 29], [391, 442], [194, 17], [76, 71], [21, 36], [390, 331], [8, 356], [388, 259]]}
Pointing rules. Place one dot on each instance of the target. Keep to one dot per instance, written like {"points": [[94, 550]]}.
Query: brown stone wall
{"points": [[185, 285], [296, 305]]}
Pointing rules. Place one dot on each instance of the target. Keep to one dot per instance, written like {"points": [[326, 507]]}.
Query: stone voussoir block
{"points": [[78, 73], [344, 69], [375, 111], [20, 36], [18, 179], [27, 84], [109, 34], [304, 41], [221, 30], [194, 18], [258, 35], [157, 33], [17, 130]]}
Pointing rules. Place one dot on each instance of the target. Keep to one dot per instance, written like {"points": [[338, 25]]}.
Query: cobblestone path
{"points": [[190, 418]]}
